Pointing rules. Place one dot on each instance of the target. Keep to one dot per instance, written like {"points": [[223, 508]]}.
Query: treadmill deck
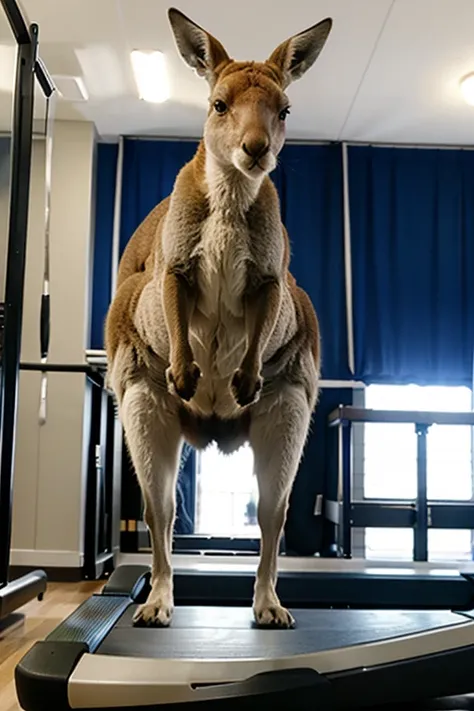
{"points": [[230, 633]]}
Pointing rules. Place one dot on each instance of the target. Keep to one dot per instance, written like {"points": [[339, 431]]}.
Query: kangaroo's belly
{"points": [[217, 329], [218, 348]]}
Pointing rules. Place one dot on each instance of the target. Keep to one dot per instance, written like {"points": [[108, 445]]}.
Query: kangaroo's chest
{"points": [[223, 256], [218, 324]]}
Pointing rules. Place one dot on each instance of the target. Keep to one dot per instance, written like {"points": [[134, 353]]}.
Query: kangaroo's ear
{"points": [[298, 53], [197, 47]]}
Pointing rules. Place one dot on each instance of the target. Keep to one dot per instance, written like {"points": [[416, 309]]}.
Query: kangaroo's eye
{"points": [[220, 107], [284, 113]]}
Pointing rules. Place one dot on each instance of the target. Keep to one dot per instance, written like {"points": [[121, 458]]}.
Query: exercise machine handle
{"points": [[45, 325]]}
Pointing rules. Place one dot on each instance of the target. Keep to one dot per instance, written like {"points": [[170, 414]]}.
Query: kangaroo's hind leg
{"points": [[279, 428], [154, 441]]}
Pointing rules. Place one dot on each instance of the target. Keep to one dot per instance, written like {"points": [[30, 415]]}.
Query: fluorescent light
{"points": [[151, 76], [467, 89], [71, 88]]}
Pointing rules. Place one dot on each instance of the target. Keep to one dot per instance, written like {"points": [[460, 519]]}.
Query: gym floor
{"points": [[40, 618]]}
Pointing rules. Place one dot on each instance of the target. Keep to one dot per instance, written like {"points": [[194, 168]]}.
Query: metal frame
{"points": [[421, 514], [28, 67], [101, 518]]}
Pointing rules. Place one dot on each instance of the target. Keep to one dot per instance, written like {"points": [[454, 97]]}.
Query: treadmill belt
{"points": [[223, 632]]}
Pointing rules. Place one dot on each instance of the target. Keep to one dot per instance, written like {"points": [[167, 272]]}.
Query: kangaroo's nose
{"points": [[255, 147]]}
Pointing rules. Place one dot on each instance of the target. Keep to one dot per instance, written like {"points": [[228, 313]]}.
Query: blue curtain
{"points": [[103, 240], [412, 227], [149, 171], [309, 183]]}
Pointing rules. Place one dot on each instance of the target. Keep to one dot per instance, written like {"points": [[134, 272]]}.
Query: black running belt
{"points": [[220, 632]]}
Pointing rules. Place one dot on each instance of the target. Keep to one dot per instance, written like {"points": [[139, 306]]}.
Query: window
{"points": [[389, 467], [227, 493]]}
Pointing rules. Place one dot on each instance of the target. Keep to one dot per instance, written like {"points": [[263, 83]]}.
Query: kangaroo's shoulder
{"points": [[140, 248]]}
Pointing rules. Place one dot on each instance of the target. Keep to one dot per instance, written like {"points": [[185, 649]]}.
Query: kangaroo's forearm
{"points": [[178, 305], [261, 311]]}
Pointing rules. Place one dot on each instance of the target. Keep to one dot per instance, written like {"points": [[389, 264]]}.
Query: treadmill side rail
{"points": [[92, 621], [42, 676], [130, 580]]}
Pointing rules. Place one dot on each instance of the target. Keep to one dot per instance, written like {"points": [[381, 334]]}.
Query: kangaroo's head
{"points": [[245, 125]]}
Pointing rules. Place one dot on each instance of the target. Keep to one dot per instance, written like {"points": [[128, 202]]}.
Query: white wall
{"points": [[50, 459]]}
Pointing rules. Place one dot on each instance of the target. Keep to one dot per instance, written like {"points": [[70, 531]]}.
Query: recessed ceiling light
{"points": [[467, 89], [151, 76]]}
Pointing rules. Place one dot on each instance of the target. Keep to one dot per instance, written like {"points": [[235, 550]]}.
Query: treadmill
{"points": [[213, 656]]}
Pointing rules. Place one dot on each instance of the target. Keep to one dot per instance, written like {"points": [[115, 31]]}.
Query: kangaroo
{"points": [[208, 337]]}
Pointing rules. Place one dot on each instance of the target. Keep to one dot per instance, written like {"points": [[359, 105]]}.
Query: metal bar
{"points": [[348, 260], [382, 514], [44, 78], [104, 493], [57, 367], [15, 276], [197, 139], [117, 219], [420, 538], [45, 312], [346, 490], [413, 146], [348, 413], [94, 465], [117, 455], [200, 543], [17, 22], [20, 591], [316, 142], [456, 515], [452, 515], [339, 524]]}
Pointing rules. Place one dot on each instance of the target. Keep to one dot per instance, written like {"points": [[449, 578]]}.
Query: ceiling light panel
{"points": [[151, 76]]}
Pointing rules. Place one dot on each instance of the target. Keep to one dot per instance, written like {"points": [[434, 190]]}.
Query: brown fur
{"points": [[208, 337]]}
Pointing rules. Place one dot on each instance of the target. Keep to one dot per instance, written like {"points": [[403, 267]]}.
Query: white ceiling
{"points": [[389, 72]]}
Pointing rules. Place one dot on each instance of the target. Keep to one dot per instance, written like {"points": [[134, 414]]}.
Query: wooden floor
{"points": [[40, 619]]}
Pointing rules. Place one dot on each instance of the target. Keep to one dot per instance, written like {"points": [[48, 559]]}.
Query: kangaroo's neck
{"points": [[227, 188]]}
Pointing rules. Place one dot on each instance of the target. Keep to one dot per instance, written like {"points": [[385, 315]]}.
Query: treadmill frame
{"points": [[64, 672]]}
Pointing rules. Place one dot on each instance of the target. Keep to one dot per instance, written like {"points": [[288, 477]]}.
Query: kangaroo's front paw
{"points": [[183, 381], [246, 387]]}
